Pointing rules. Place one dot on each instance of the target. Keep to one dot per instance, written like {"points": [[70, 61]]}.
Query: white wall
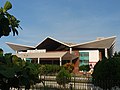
{"points": [[37, 51]]}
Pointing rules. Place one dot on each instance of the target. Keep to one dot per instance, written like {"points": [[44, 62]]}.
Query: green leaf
{"points": [[13, 18], [7, 72], [63, 77], [1, 10], [14, 31], [1, 16], [7, 6]]}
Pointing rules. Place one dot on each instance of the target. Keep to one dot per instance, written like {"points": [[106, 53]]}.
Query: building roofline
{"points": [[19, 45], [53, 40], [14, 45], [95, 41]]}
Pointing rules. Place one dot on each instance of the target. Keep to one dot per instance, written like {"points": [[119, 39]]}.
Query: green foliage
{"points": [[63, 77], [8, 22], [108, 72], [7, 6], [6, 66], [84, 68], [117, 54], [29, 74], [69, 67], [49, 69], [1, 52], [8, 70], [42, 69], [17, 72]]}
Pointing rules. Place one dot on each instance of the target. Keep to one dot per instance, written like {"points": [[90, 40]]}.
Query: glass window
{"points": [[28, 59], [84, 58]]}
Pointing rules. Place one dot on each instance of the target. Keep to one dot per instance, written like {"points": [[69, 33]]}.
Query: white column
{"points": [[70, 53], [25, 59], [60, 61], [106, 53], [38, 60], [16, 51], [70, 50]]}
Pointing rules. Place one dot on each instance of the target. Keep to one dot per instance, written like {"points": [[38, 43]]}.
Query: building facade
{"points": [[52, 51]]}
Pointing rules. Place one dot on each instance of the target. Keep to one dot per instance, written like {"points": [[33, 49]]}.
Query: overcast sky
{"points": [[66, 20]]}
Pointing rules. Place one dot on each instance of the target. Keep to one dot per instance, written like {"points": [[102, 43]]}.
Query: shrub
{"points": [[1, 52], [15, 72], [84, 68], [63, 77], [49, 69], [69, 67], [107, 72]]}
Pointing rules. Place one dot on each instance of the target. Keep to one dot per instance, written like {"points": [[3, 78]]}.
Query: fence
{"points": [[77, 83]]}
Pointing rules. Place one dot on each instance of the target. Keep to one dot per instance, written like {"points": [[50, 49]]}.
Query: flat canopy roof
{"points": [[63, 55]]}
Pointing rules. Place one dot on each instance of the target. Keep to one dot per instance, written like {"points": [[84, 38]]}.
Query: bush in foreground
{"points": [[106, 73], [15, 72], [63, 77], [84, 68]]}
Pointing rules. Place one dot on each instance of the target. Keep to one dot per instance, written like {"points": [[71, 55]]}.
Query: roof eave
{"points": [[96, 41], [11, 45]]}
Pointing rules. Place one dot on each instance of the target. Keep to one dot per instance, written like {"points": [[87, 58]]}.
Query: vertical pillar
{"points": [[60, 61], [25, 59], [38, 60], [16, 51], [106, 53], [70, 53], [70, 50]]}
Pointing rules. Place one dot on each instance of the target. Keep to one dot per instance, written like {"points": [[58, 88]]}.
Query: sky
{"points": [[74, 21]]}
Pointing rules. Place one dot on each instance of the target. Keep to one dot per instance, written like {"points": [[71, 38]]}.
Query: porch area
{"points": [[58, 58]]}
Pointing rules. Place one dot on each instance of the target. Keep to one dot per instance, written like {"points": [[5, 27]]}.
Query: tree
{"points": [[63, 77], [29, 75], [1, 52], [49, 69], [117, 54], [8, 22], [106, 73], [8, 70], [15, 72]]}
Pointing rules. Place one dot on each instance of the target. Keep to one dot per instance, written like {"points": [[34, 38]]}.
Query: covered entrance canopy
{"points": [[48, 56]]}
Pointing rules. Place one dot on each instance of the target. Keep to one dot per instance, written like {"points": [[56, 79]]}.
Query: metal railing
{"points": [[77, 83]]}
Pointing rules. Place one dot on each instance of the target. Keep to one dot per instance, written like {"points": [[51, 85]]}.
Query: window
{"points": [[84, 58], [28, 59]]}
